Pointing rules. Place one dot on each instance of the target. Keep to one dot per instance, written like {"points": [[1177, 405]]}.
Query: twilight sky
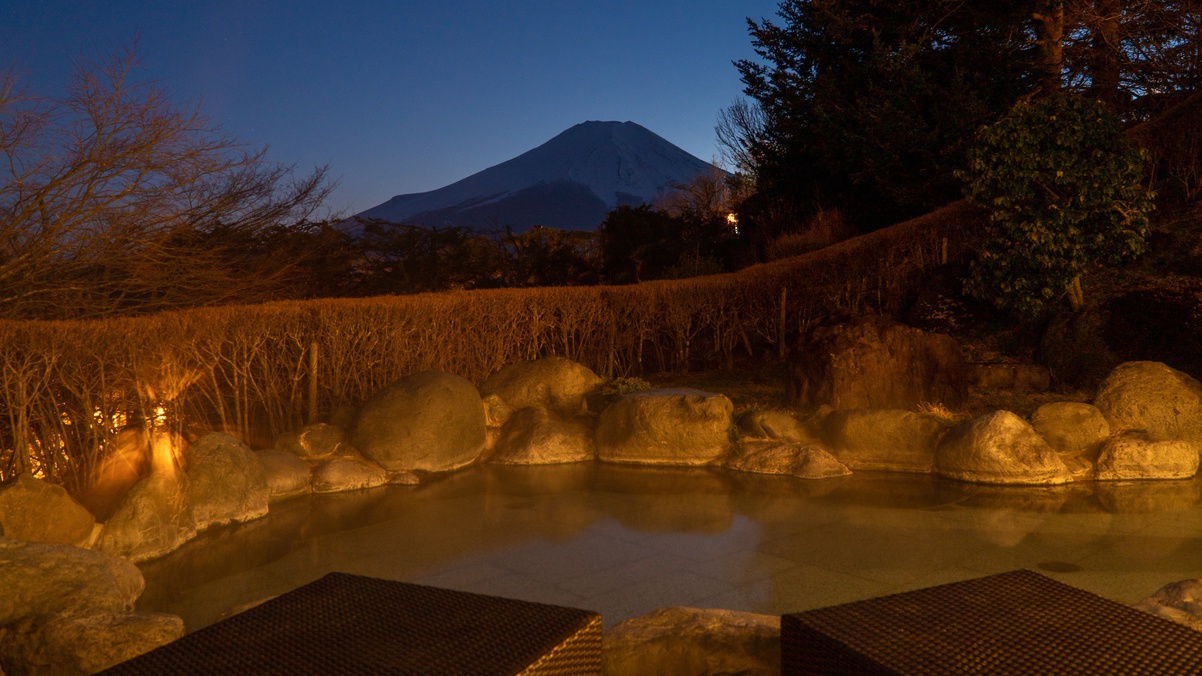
{"points": [[407, 96]]}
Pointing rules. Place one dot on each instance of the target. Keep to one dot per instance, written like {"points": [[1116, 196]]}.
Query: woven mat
{"points": [[1019, 622], [348, 624]]}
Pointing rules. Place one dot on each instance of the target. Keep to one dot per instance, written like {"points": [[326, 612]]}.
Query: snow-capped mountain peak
{"points": [[569, 182]]}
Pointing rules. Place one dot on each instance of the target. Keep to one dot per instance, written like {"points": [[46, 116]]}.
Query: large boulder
{"points": [[1150, 396], [693, 641], [287, 475], [1136, 455], [313, 442], [37, 511], [551, 382], [875, 362], [999, 448], [346, 474], [154, 518], [804, 461], [666, 427], [73, 644], [429, 421], [47, 579], [1179, 602], [228, 483], [537, 436], [1070, 426], [884, 439]]}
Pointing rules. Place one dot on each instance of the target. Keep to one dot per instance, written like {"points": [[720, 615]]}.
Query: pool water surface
{"points": [[627, 540]]}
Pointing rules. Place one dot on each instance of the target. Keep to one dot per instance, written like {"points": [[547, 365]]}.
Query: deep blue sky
{"points": [[407, 96]]}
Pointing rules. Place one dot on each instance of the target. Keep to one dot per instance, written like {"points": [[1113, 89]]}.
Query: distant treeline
{"points": [[633, 244]]}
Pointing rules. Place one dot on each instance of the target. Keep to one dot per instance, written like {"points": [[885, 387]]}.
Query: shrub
{"points": [[1063, 187]]}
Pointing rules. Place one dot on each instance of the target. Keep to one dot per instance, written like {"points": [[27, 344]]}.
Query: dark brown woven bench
{"points": [[1015, 623], [348, 624]]}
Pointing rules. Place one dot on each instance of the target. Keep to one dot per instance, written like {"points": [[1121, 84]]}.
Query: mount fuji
{"points": [[570, 182]]}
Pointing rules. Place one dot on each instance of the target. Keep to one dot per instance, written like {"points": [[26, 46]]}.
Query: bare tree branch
{"points": [[114, 199]]}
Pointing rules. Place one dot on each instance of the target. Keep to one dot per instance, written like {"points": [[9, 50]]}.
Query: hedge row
{"points": [[67, 389]]}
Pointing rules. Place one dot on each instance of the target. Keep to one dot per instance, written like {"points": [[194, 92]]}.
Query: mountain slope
{"points": [[569, 182]]}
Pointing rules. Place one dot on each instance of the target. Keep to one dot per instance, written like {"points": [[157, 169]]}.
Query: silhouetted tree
{"points": [[550, 257], [400, 258], [870, 105], [638, 243], [1136, 56]]}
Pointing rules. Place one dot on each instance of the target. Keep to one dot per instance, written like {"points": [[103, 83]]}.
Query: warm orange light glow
{"points": [[732, 219], [162, 454]]}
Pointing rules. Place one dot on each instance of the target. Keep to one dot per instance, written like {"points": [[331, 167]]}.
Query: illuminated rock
{"points": [[403, 478], [776, 425], [66, 610], [551, 382], [496, 411], [429, 421], [228, 484], [884, 439], [804, 461], [313, 442], [38, 511], [287, 475], [1137, 455], [1179, 602], [875, 362], [1070, 426], [153, 519], [346, 474], [1150, 396], [47, 579], [536, 436], [998, 448], [666, 427], [683, 640], [69, 644]]}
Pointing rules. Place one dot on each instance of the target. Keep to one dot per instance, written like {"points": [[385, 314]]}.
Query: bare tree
{"points": [[114, 199], [741, 135], [704, 196]]}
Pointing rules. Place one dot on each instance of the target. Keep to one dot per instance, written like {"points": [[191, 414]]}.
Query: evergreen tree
{"points": [[870, 105]]}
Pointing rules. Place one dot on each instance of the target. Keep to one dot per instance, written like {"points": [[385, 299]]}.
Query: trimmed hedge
{"points": [[67, 389]]}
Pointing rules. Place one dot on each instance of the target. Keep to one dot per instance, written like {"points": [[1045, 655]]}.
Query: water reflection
{"points": [[1147, 497], [624, 540]]}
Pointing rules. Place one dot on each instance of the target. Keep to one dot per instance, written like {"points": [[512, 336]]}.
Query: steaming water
{"points": [[625, 541]]}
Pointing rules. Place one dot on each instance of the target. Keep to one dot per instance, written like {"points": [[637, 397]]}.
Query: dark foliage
{"points": [[871, 104], [550, 257], [641, 243], [1160, 322]]}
